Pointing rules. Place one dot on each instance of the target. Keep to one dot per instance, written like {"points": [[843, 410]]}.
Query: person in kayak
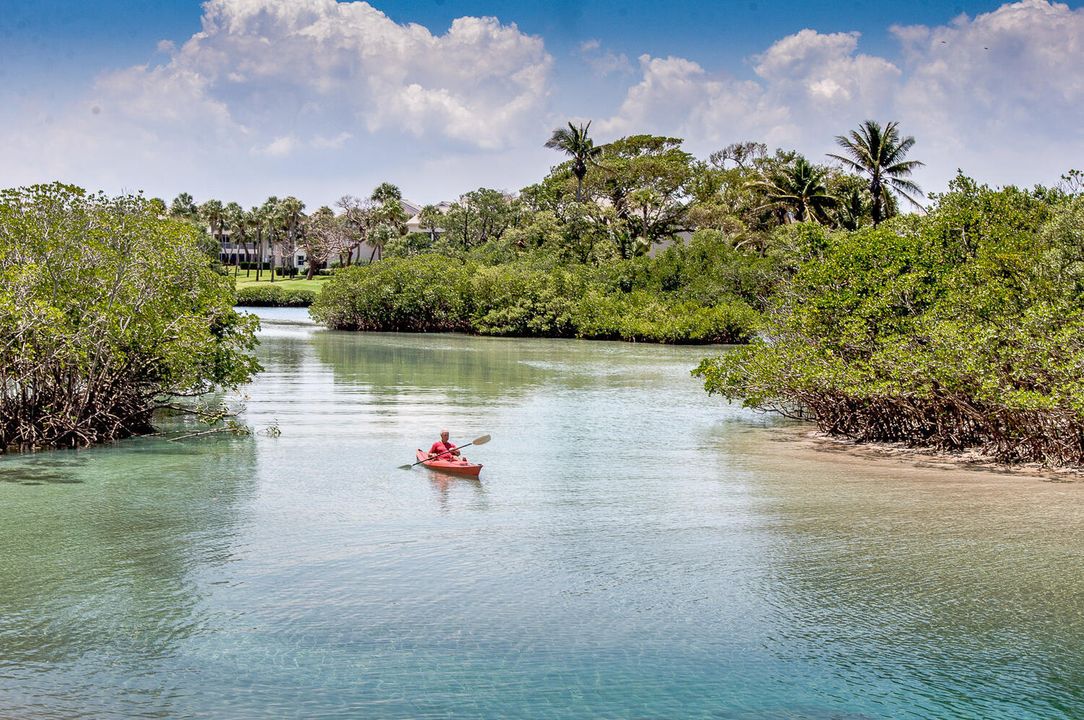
{"points": [[445, 449]]}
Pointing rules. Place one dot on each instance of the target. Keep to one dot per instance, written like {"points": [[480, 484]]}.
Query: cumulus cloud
{"points": [[999, 94], [804, 81], [269, 78], [276, 96], [344, 64]]}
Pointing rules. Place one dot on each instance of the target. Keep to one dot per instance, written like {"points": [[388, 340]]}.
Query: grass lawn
{"points": [[299, 282]]}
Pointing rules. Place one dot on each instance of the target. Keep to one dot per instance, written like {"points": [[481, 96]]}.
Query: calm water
{"points": [[633, 549]]}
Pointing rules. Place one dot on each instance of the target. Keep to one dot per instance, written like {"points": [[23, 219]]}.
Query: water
{"points": [[633, 549]]}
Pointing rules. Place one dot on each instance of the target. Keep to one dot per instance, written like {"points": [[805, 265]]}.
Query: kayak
{"points": [[459, 467]]}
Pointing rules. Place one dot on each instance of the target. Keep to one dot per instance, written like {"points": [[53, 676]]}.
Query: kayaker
{"points": [[445, 448]]}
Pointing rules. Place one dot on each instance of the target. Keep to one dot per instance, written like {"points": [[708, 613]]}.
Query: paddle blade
{"points": [[405, 467], [481, 440]]}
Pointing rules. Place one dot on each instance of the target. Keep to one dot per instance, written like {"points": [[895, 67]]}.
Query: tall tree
{"points": [[269, 226], [212, 213], [430, 218], [800, 191], [183, 206], [290, 214], [322, 230], [878, 153], [233, 220], [575, 143], [386, 191], [357, 221]]}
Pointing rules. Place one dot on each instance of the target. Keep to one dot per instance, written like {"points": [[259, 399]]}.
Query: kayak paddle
{"points": [[482, 440]]}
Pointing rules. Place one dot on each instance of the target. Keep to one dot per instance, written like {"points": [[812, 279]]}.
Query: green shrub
{"points": [[274, 296], [426, 293], [519, 300]]}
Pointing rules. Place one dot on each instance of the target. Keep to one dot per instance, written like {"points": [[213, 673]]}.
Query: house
{"points": [[414, 224]]}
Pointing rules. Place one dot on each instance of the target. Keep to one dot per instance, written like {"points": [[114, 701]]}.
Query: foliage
{"points": [[420, 294], [107, 312], [535, 296], [281, 295], [575, 143], [879, 154], [963, 329]]}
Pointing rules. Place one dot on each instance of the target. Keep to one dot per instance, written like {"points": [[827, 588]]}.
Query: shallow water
{"points": [[632, 549]]}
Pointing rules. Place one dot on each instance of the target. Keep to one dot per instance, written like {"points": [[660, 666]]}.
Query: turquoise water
{"points": [[632, 549]]}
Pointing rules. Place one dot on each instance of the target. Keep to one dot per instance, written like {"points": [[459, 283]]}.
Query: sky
{"points": [[244, 99]]}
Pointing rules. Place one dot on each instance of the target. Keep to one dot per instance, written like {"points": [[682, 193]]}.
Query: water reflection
{"points": [[444, 484]]}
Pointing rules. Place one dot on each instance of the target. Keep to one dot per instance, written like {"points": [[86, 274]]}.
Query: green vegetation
{"points": [[274, 295], [107, 312], [961, 329], [693, 293]]}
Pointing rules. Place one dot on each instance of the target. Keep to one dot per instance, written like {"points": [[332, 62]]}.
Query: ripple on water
{"points": [[632, 549]]}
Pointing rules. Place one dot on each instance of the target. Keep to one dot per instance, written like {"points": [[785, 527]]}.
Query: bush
{"points": [[526, 299], [961, 329], [274, 296], [518, 300], [427, 293], [286, 272], [107, 312]]}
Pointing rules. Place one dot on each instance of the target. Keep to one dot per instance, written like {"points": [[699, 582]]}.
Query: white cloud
{"points": [[605, 63], [295, 96], [279, 147], [999, 95], [267, 80], [321, 142]]}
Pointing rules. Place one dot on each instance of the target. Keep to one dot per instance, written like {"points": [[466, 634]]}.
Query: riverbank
{"points": [[282, 292], [801, 437]]}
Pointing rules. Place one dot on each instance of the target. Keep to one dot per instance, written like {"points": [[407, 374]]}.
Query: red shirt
{"points": [[441, 447]]}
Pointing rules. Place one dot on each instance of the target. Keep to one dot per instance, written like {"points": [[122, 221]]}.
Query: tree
{"points": [[358, 221], [321, 235], [388, 220], [290, 214], [575, 143], [212, 213], [879, 154], [430, 218], [268, 229], [183, 206], [94, 333], [233, 219], [800, 191], [648, 182], [384, 192]]}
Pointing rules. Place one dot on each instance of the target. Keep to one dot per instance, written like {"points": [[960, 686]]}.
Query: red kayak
{"points": [[449, 464]]}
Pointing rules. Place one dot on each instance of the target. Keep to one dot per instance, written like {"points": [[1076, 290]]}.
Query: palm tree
{"points": [[799, 189], [430, 218], [269, 224], [575, 143], [385, 191], [879, 154], [233, 219], [289, 211], [183, 206], [212, 213]]}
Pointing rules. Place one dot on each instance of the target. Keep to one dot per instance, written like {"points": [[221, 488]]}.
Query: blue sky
{"points": [[319, 100]]}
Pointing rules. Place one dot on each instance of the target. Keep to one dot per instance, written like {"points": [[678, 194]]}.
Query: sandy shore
{"points": [[804, 437]]}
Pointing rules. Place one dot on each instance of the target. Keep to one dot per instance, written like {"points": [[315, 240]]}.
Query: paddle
{"points": [[482, 440]]}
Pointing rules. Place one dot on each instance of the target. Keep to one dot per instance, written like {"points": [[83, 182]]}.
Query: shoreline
{"points": [[811, 439]]}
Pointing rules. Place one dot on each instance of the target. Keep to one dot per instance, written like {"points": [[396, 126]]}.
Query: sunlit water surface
{"points": [[632, 549]]}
